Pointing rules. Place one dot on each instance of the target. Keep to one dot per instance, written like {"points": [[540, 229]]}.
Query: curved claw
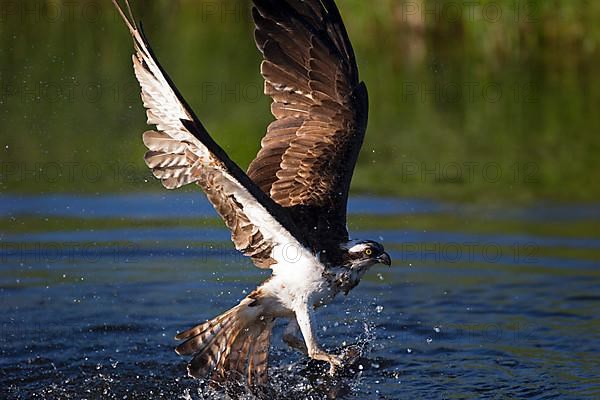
{"points": [[335, 362]]}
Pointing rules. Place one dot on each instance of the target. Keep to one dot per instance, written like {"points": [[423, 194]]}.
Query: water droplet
{"points": [[437, 329], [409, 350], [429, 340], [379, 309]]}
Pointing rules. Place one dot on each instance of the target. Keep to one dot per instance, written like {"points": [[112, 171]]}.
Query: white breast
{"points": [[297, 278]]}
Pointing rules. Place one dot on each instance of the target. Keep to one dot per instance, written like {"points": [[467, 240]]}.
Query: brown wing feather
{"points": [[308, 155]]}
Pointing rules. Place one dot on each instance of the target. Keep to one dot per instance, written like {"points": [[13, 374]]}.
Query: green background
{"points": [[494, 102]]}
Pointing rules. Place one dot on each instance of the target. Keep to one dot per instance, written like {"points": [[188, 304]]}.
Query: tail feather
{"points": [[237, 363], [200, 337], [198, 329], [235, 343], [258, 359], [231, 353]]}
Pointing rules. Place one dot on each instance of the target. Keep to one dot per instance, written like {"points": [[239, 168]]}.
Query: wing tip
{"points": [[129, 20]]}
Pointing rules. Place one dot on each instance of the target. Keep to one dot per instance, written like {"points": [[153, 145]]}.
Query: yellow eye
{"points": [[368, 252]]}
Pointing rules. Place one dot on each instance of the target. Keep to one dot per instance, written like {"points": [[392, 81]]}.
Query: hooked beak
{"points": [[385, 259]]}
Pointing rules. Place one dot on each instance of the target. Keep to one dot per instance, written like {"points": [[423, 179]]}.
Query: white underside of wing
{"points": [[163, 108], [166, 111], [287, 250]]}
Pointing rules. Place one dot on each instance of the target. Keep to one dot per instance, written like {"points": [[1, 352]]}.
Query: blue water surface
{"points": [[91, 313]]}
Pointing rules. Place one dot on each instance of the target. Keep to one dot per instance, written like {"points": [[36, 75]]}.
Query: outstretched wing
{"points": [[309, 152], [182, 152]]}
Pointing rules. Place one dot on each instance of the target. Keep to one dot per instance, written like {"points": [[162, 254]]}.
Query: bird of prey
{"points": [[288, 211]]}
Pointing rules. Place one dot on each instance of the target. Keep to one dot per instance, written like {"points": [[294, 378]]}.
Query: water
{"points": [[94, 289]]}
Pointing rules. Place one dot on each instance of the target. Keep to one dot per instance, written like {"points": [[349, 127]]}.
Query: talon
{"points": [[335, 362]]}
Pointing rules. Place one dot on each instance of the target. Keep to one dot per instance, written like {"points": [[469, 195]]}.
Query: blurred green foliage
{"points": [[475, 101]]}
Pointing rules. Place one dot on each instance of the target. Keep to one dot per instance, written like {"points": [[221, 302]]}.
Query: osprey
{"points": [[288, 211]]}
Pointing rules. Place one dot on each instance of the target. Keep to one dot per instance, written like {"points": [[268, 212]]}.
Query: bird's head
{"points": [[364, 254]]}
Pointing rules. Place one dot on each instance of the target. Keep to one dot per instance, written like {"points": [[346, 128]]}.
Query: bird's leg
{"points": [[291, 339], [304, 317]]}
